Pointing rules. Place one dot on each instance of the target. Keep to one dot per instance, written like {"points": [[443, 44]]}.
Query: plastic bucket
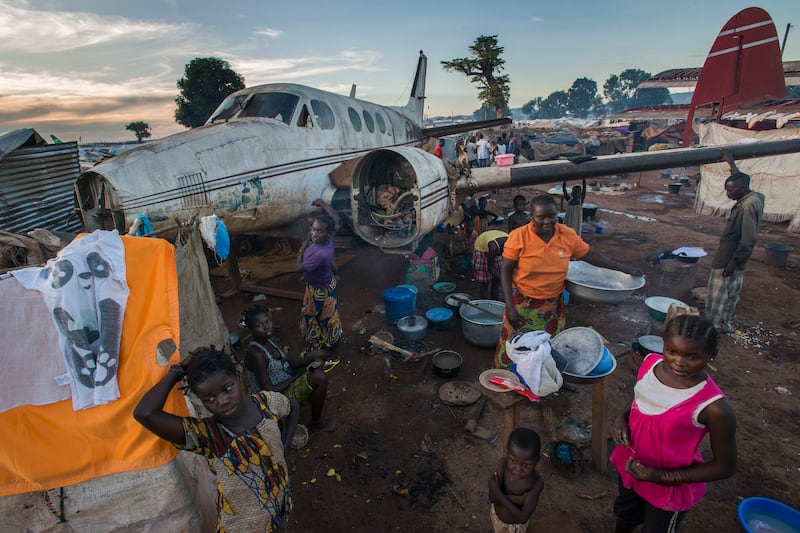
{"points": [[776, 254], [399, 302], [415, 290]]}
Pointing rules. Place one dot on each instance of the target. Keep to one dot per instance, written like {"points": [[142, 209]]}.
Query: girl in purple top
{"points": [[320, 324], [675, 404]]}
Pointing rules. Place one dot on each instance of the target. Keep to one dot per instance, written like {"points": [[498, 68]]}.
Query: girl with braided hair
{"points": [[675, 404], [241, 439]]}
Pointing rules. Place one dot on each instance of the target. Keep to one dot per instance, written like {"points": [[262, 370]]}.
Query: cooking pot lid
{"points": [[652, 343], [582, 348], [410, 324]]}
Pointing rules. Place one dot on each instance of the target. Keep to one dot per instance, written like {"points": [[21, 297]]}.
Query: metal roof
{"points": [[36, 183], [687, 77]]}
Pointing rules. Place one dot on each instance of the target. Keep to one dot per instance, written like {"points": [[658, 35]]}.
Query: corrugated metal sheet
{"points": [[36, 188]]}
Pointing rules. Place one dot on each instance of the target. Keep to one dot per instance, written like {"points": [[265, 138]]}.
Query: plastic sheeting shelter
{"points": [[140, 484], [777, 177]]}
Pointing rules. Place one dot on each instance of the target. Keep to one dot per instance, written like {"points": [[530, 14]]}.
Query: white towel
{"points": [[535, 365], [85, 290]]}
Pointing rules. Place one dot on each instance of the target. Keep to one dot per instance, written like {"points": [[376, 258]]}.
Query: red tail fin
{"points": [[743, 66]]}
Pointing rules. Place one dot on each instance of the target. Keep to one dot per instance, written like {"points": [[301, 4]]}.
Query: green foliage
{"points": [[581, 96], [621, 91], [483, 67], [555, 105], [139, 128], [206, 82]]}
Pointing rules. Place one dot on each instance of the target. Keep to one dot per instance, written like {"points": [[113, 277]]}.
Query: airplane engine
{"points": [[399, 195]]}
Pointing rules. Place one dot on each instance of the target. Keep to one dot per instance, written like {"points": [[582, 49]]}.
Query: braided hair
{"points": [[207, 361], [249, 314], [327, 220], [543, 199], [696, 328]]}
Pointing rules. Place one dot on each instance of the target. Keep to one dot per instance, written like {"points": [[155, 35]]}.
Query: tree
{"points": [[581, 96], [621, 91], [139, 128], [206, 82], [555, 105], [532, 107], [483, 67]]}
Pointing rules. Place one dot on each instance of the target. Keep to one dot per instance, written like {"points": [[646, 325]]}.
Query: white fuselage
{"points": [[259, 169]]}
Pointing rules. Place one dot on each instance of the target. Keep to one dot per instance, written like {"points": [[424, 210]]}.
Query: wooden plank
{"points": [[269, 291], [599, 437]]}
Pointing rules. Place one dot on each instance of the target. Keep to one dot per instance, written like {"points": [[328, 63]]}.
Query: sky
{"points": [[83, 69]]}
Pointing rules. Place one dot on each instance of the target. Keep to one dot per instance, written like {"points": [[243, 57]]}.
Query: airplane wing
{"points": [[452, 129]]}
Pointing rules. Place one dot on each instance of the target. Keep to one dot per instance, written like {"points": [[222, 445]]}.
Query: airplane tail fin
{"points": [[416, 102], [743, 66]]}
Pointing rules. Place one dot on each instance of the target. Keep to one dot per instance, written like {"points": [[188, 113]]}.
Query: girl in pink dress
{"points": [[675, 404]]}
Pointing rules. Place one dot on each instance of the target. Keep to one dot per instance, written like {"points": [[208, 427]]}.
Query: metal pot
{"points": [[412, 327], [479, 328], [447, 363]]}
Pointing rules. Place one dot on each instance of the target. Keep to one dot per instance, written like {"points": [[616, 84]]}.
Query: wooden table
{"points": [[509, 403]]}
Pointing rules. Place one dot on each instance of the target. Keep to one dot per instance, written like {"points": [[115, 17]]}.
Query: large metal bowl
{"points": [[600, 285]]}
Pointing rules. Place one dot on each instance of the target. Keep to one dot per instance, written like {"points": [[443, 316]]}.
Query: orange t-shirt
{"points": [[542, 267], [48, 446]]}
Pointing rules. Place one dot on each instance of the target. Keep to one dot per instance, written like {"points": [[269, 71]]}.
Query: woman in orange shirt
{"points": [[535, 263]]}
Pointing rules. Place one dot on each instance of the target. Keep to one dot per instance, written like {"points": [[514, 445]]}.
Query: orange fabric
{"points": [[542, 267], [49, 446]]}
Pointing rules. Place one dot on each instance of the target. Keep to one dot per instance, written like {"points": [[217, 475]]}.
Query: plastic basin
{"points": [[759, 515], [658, 306]]}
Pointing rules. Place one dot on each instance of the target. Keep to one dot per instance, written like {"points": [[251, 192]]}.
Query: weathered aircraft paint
{"points": [[259, 161]]}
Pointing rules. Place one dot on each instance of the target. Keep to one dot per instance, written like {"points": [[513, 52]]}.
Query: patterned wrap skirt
{"points": [[320, 325], [548, 315]]}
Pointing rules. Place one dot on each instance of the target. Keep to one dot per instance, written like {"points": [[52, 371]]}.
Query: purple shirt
{"points": [[318, 264]]}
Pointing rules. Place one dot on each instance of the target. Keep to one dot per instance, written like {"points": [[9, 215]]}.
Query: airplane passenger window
{"points": [[368, 121], [381, 123], [279, 106], [354, 118], [323, 115]]}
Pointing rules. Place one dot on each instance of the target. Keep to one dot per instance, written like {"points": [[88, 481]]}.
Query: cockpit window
{"points": [[381, 123], [368, 121], [229, 107], [279, 106], [323, 115], [354, 118]]}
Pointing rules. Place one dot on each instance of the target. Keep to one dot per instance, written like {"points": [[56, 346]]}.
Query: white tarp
{"points": [[776, 177]]}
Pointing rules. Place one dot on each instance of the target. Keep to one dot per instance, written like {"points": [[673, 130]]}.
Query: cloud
{"points": [[269, 32], [257, 71], [38, 32], [534, 18]]}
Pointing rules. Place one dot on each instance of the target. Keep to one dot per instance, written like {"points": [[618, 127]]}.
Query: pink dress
{"points": [[665, 434]]}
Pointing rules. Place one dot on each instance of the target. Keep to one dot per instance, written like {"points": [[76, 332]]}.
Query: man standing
{"points": [[735, 247]]}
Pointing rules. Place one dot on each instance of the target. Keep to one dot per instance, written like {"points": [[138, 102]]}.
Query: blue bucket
{"points": [[399, 302], [413, 289]]}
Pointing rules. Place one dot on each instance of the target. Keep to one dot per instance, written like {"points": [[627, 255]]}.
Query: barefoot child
{"points": [[268, 368], [241, 440], [515, 486], [675, 404]]}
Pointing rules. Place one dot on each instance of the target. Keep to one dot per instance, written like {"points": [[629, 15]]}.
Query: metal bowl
{"points": [[600, 285]]}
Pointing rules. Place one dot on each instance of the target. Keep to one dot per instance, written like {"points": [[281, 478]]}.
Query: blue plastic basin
{"points": [[763, 514]]}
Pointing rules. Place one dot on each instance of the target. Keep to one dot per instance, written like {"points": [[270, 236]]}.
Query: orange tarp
{"points": [[51, 446]]}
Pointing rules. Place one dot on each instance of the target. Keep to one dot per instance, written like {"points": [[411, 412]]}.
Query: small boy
{"points": [[519, 217], [515, 486]]}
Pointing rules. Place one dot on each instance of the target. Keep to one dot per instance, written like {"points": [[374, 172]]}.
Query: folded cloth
{"points": [[534, 362]]}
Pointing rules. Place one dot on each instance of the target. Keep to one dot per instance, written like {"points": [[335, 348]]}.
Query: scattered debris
{"points": [[783, 390]]}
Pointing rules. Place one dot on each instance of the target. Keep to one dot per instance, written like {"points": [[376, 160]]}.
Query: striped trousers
{"points": [[723, 294]]}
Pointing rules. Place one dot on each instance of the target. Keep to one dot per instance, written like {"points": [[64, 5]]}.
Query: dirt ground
{"points": [[403, 458]]}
